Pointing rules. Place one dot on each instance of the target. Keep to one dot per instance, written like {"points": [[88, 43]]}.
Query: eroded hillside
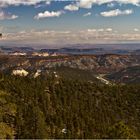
{"points": [[96, 63]]}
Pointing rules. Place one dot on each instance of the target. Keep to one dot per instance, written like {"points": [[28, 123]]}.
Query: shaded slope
{"points": [[127, 75]]}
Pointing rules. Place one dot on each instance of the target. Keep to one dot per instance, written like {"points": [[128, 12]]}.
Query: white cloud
{"points": [[38, 5], [116, 12], [90, 3], [103, 35], [4, 16], [100, 30], [136, 29], [48, 14], [87, 14], [79, 3], [48, 2], [5, 3], [71, 7], [92, 30], [85, 3], [111, 5], [109, 29]]}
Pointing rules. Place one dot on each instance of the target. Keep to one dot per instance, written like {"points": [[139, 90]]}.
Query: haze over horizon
{"points": [[53, 22]]}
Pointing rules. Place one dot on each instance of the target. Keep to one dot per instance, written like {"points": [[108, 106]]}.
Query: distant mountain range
{"points": [[79, 49], [14, 49]]}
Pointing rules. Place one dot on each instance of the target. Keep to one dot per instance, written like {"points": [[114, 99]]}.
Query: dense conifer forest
{"points": [[53, 107]]}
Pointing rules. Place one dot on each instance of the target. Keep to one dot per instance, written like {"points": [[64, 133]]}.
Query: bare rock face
{"points": [[20, 72]]}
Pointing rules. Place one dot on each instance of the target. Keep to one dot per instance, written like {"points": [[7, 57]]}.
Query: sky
{"points": [[43, 22]]}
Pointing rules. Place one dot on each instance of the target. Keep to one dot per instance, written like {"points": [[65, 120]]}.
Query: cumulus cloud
{"points": [[48, 14], [87, 14], [116, 12], [71, 7], [5, 3], [82, 3], [4, 16], [110, 3], [136, 29], [89, 3]]}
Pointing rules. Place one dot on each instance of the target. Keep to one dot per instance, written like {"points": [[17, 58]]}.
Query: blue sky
{"points": [[69, 22]]}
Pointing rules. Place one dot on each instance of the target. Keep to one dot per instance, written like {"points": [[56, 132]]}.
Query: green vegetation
{"points": [[129, 75], [54, 107], [75, 74]]}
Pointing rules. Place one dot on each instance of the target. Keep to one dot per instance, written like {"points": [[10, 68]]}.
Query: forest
{"points": [[53, 107]]}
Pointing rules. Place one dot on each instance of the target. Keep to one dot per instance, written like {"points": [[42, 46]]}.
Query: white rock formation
{"points": [[19, 72], [37, 73]]}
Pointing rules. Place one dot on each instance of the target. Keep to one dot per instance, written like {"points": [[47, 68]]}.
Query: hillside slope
{"points": [[127, 75], [99, 63], [52, 107]]}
